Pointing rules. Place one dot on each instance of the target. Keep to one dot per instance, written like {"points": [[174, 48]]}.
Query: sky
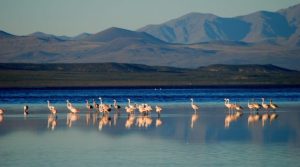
{"points": [[72, 17]]}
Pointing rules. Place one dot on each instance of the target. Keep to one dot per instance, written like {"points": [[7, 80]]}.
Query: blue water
{"points": [[165, 95], [177, 141]]}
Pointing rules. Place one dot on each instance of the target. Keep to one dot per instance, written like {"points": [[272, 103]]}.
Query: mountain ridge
{"points": [[254, 27], [125, 46]]}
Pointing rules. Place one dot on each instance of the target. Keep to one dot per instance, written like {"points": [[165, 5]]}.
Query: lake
{"points": [[179, 137]]}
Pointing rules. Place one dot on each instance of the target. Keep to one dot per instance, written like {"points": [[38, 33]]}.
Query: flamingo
{"points": [[116, 106], [142, 109], [51, 108], [257, 106], [264, 105], [71, 107], [130, 105], [129, 110], [104, 107], [26, 110], [158, 110], [228, 104], [250, 106], [148, 109], [95, 104], [238, 107], [88, 106], [2, 111], [1, 118], [194, 106], [273, 105]]}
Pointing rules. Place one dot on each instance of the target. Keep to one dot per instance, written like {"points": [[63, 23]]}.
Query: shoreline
{"points": [[158, 87]]}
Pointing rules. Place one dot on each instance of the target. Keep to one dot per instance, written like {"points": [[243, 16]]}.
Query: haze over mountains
{"points": [[277, 27], [190, 41]]}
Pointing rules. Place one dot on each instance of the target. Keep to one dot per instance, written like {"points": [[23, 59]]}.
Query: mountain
{"points": [[5, 35], [263, 26], [115, 33], [81, 36], [196, 40], [45, 36], [124, 46]]}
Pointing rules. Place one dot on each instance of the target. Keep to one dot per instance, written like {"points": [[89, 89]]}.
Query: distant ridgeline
{"points": [[118, 74]]}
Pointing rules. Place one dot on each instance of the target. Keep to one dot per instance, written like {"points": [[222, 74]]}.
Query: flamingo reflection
{"points": [[264, 118], [158, 122], [116, 117], [72, 117], [143, 121], [95, 117], [1, 115], [273, 116], [52, 121], [130, 121], [105, 120], [194, 118], [88, 117], [232, 117], [252, 118]]}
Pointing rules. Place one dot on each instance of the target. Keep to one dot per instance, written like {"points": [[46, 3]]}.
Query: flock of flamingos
{"points": [[100, 113]]}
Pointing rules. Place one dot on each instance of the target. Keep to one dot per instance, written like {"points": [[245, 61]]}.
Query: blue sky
{"points": [[71, 17]]}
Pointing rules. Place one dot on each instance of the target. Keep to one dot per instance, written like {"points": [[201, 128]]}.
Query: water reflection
{"points": [[1, 118], [158, 122], [71, 118], [253, 118], [230, 117], [52, 121], [273, 116], [194, 118], [88, 117], [104, 120], [143, 121], [116, 117], [264, 118], [130, 121]]}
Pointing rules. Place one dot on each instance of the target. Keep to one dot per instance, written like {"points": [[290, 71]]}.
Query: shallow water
{"points": [[178, 141]]}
